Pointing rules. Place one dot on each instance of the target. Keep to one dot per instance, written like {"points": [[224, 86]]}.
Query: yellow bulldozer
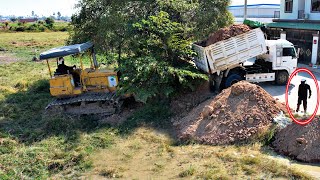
{"points": [[81, 90]]}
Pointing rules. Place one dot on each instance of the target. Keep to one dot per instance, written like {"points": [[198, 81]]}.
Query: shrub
{"points": [[161, 64], [33, 27], [20, 29], [49, 23]]}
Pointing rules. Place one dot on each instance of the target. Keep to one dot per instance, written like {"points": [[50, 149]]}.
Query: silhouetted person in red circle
{"points": [[303, 95]]}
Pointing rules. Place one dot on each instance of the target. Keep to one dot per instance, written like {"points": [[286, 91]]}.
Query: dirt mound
{"points": [[299, 142], [182, 104], [225, 33], [235, 115]]}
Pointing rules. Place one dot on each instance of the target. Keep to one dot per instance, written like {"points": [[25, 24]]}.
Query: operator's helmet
{"points": [[60, 60], [303, 80]]}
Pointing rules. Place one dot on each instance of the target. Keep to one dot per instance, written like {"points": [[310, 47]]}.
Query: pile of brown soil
{"points": [[225, 33], [238, 113], [299, 142], [181, 105]]}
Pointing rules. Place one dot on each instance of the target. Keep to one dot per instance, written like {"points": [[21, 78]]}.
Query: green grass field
{"points": [[36, 145], [33, 26]]}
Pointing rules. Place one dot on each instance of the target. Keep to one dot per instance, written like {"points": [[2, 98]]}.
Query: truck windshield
{"points": [[289, 52]]}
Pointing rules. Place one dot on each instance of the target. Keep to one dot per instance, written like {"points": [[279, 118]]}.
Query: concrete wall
{"points": [[254, 12]]}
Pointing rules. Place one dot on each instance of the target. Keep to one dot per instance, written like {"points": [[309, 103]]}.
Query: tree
{"points": [[32, 13], [6, 24], [13, 19], [49, 23], [152, 38], [160, 65], [59, 15], [107, 23]]}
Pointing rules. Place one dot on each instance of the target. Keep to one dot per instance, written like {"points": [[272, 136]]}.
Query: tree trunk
{"points": [[119, 53]]}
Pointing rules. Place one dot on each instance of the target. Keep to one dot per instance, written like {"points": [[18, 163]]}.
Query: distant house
{"points": [[28, 20], [299, 22], [257, 10]]}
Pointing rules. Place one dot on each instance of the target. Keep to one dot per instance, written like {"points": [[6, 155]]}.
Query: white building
{"points": [[257, 10], [300, 9], [299, 22]]}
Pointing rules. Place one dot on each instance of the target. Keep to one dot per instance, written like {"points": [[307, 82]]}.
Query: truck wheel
{"points": [[232, 79], [282, 77]]}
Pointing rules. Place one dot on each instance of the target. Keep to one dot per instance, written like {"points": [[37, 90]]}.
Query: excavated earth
{"points": [[237, 114], [225, 33], [300, 142]]}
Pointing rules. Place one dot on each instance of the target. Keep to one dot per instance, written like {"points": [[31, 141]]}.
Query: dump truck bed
{"points": [[230, 53]]}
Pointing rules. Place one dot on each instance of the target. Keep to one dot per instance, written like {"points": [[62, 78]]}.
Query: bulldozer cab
{"points": [[68, 81]]}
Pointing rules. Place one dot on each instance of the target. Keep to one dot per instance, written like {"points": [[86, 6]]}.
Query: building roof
{"points": [[250, 2], [295, 25], [261, 6], [28, 20]]}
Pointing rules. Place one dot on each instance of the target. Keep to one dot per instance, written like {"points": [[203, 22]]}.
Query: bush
{"points": [[42, 28], [161, 64], [49, 23], [33, 27], [20, 29]]}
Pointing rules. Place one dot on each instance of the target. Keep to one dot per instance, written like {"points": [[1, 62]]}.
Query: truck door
{"points": [[289, 59]]}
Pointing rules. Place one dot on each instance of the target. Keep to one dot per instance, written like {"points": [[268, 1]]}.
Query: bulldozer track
{"points": [[111, 100]]}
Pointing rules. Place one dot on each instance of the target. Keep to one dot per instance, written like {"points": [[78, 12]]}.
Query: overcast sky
{"points": [[40, 7], [66, 7]]}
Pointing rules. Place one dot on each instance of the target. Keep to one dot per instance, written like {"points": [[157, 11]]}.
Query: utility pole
{"points": [[245, 9]]}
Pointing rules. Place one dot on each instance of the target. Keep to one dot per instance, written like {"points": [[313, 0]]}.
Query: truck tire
{"points": [[282, 77], [232, 79]]}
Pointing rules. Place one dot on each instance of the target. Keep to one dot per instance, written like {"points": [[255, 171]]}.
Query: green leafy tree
{"points": [[152, 39], [108, 23], [13, 19], [6, 24], [160, 65], [59, 15], [49, 23]]}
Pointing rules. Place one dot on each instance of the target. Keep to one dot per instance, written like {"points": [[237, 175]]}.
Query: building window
{"points": [[315, 5], [288, 6]]}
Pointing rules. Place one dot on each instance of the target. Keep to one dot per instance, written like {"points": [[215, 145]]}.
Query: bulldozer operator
{"points": [[64, 69]]}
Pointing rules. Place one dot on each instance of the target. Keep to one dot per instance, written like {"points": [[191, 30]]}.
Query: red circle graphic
{"points": [[307, 121]]}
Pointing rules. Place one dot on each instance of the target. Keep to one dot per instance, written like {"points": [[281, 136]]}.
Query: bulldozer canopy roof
{"points": [[66, 50]]}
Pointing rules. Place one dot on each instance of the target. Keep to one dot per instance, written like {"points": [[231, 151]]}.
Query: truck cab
{"points": [[282, 54]]}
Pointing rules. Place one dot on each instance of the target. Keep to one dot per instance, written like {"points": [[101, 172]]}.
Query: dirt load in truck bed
{"points": [[300, 142], [237, 114], [225, 33]]}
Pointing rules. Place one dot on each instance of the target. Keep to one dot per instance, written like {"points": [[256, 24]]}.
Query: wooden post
{"points": [[49, 68], [81, 74]]}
